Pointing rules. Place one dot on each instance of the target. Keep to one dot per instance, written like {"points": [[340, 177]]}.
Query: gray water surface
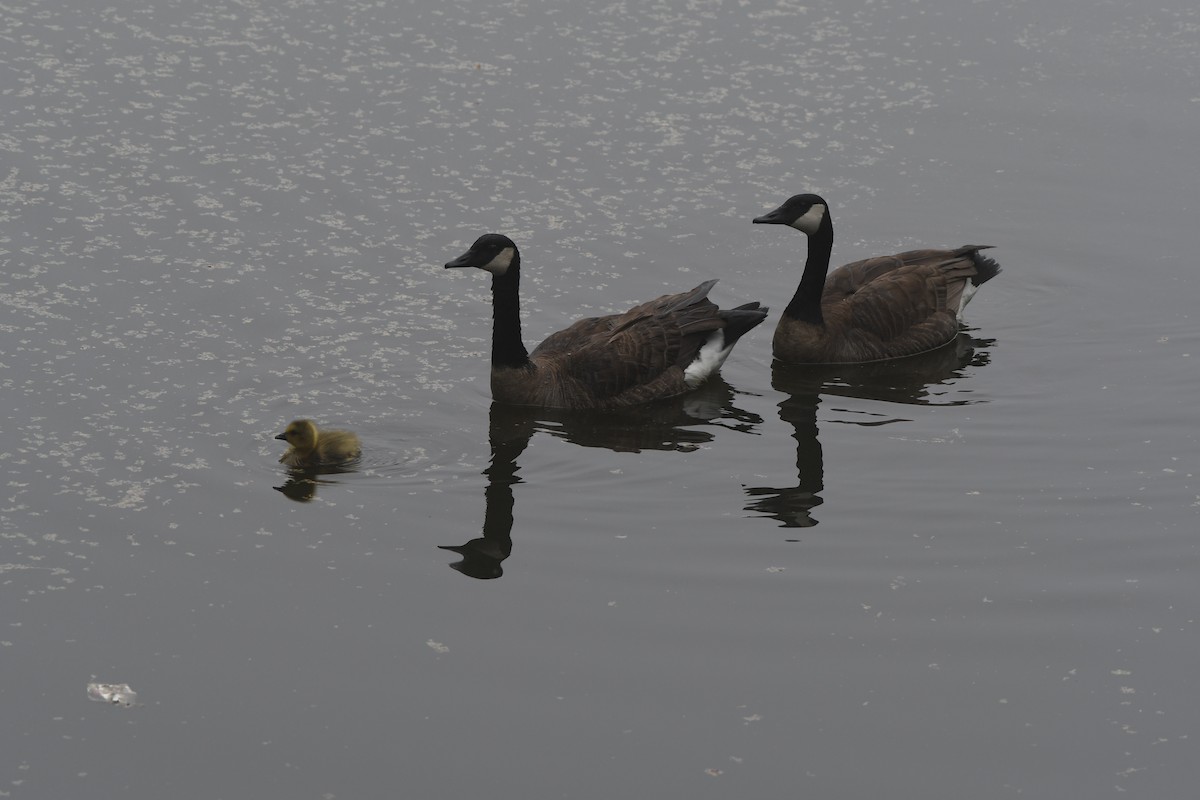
{"points": [[966, 575]]}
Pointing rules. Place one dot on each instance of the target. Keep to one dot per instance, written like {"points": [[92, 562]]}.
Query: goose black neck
{"points": [[806, 303], [507, 348]]}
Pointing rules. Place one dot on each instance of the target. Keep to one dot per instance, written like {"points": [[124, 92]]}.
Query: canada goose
{"points": [[311, 447], [876, 309], [658, 349]]}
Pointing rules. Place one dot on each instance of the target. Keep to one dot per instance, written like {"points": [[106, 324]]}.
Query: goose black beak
{"points": [[462, 261], [775, 217], [282, 436]]}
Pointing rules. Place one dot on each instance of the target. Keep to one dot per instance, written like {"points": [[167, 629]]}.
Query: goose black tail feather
{"points": [[985, 268], [741, 319]]}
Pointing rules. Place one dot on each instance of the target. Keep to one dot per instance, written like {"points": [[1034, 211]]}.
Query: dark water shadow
{"points": [[681, 425], [918, 380]]}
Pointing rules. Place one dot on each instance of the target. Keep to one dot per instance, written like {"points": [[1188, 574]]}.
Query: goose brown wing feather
{"points": [[690, 311], [888, 306], [569, 338], [848, 279], [898, 315], [640, 352], [897, 305]]}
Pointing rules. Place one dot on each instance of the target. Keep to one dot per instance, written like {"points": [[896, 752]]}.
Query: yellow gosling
{"points": [[311, 447]]}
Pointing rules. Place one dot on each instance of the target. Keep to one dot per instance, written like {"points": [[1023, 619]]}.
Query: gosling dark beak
{"points": [[282, 436], [464, 260]]}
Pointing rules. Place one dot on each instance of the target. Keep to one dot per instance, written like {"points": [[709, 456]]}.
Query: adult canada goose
{"points": [[311, 447], [658, 349], [876, 309]]}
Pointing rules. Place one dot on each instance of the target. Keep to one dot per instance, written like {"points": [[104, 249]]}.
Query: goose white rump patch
{"points": [[968, 292], [710, 358]]}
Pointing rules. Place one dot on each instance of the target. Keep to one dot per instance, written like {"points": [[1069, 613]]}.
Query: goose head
{"points": [[804, 212], [492, 253], [300, 434]]}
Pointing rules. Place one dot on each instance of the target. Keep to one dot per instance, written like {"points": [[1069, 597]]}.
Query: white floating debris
{"points": [[437, 647], [119, 694]]}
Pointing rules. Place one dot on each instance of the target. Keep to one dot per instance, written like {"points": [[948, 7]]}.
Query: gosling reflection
{"points": [[302, 482], [918, 380], [670, 425]]}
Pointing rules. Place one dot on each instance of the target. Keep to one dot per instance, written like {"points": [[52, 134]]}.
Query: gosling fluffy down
{"points": [[311, 447]]}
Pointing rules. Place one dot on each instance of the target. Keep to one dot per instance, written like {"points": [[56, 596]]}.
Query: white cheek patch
{"points": [[811, 219], [499, 265]]}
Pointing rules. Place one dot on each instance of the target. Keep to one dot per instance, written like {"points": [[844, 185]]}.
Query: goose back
{"points": [[875, 309], [655, 350], [886, 307], [626, 359]]}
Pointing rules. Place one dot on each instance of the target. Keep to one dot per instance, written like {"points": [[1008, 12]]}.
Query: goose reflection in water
{"points": [[681, 424], [917, 380]]}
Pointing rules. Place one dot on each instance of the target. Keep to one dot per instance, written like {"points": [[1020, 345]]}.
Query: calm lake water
{"points": [[971, 575]]}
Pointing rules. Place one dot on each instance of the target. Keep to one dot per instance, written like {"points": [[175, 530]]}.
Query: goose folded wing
{"points": [[646, 346], [851, 278], [570, 338], [895, 305]]}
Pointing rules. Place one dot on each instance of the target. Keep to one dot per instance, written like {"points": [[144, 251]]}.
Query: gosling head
{"points": [[492, 253], [804, 212], [300, 434]]}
